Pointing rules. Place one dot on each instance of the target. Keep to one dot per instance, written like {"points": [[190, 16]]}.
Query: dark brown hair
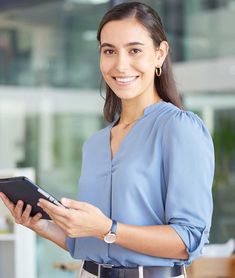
{"points": [[165, 84]]}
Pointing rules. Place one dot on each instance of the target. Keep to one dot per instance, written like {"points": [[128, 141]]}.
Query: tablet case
{"points": [[22, 188]]}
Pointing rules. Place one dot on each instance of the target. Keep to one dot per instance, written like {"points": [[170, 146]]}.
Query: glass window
{"points": [[51, 44], [37, 133], [208, 32], [224, 185]]}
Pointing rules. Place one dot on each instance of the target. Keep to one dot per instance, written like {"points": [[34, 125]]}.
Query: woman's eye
{"points": [[108, 51], [135, 51]]}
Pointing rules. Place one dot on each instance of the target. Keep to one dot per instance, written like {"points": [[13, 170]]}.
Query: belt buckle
{"points": [[106, 265]]}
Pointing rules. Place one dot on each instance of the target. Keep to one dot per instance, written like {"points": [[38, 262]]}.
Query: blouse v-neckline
{"points": [[147, 110], [113, 157]]}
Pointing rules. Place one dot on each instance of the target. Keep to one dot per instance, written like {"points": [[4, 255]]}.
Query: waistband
{"points": [[109, 271]]}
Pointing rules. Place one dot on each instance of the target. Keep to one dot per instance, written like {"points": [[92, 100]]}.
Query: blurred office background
{"points": [[50, 92]]}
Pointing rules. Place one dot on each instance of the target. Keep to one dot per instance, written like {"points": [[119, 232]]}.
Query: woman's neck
{"points": [[132, 110]]}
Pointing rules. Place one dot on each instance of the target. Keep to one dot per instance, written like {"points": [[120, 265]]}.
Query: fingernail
{"points": [[63, 200]]}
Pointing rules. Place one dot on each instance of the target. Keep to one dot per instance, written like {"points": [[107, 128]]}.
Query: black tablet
{"points": [[22, 188]]}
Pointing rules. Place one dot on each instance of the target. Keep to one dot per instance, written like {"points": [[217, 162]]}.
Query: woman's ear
{"points": [[161, 53]]}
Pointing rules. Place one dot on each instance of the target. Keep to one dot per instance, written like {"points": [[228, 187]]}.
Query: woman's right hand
{"points": [[23, 217]]}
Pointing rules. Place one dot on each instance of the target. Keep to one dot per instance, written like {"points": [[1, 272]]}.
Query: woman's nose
{"points": [[122, 63]]}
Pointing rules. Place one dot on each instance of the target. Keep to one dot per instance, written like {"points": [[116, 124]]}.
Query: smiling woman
{"points": [[158, 223], [128, 61], [144, 39], [144, 204]]}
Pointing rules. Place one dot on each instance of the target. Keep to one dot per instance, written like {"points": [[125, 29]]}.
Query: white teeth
{"points": [[125, 79]]}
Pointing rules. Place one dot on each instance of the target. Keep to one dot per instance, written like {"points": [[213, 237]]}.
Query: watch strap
{"points": [[113, 227]]}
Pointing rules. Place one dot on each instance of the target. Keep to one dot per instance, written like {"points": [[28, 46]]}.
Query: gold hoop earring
{"points": [[158, 71]]}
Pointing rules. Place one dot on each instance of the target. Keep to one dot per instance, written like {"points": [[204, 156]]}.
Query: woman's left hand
{"points": [[78, 219]]}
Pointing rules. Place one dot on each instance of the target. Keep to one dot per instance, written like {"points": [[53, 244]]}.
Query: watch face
{"points": [[110, 238]]}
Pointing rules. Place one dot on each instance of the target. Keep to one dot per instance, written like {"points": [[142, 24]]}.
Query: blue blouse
{"points": [[161, 174]]}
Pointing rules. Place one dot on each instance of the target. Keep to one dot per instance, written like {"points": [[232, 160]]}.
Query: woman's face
{"points": [[128, 58]]}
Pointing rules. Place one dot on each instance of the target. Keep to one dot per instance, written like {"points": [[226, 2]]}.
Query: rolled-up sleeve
{"points": [[188, 164], [70, 243]]}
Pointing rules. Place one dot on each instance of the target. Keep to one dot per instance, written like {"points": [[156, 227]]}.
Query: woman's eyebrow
{"points": [[113, 46]]}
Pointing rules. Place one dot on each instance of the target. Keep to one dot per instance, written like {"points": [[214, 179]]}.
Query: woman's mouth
{"points": [[125, 80]]}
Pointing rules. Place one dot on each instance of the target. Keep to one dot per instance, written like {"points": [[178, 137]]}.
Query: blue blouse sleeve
{"points": [[70, 243], [188, 163]]}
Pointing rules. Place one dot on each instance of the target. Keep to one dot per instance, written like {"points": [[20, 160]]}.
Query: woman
{"points": [[145, 201]]}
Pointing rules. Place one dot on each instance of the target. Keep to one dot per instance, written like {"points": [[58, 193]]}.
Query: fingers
{"points": [[69, 203], [17, 212], [7, 202], [75, 204], [2, 195], [50, 208], [21, 216], [25, 217], [36, 218], [60, 215]]}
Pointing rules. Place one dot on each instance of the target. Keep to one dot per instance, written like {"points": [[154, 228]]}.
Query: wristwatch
{"points": [[111, 237]]}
